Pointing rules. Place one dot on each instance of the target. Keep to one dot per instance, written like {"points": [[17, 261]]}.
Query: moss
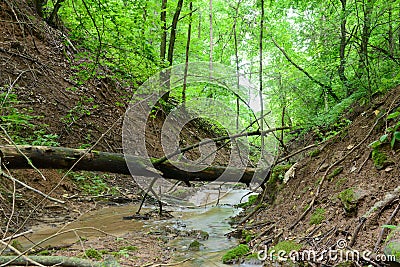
{"points": [[287, 246], [93, 254], [318, 216], [335, 173], [314, 153], [44, 253], [340, 182], [252, 199], [195, 246], [129, 248], [233, 255], [348, 199], [278, 172], [379, 159]]}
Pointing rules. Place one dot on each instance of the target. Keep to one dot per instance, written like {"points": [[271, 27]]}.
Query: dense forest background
{"points": [[310, 60]]}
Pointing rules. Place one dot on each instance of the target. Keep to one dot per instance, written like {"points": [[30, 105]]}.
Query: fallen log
{"points": [[44, 157]]}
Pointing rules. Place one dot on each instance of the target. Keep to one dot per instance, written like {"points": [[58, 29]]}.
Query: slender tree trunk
{"points": [[171, 45], [211, 37], [390, 32], [187, 54], [163, 46], [365, 35], [261, 78], [343, 43], [172, 37], [237, 62]]}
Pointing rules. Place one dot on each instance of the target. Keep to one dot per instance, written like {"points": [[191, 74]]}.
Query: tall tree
{"points": [[343, 43], [261, 77], [163, 18], [187, 53]]}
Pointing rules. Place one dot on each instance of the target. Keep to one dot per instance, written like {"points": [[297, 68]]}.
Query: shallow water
{"points": [[214, 219]]}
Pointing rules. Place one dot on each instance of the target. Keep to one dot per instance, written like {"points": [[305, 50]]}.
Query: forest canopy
{"points": [[310, 60]]}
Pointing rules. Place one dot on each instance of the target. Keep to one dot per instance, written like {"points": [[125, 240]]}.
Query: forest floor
{"points": [[35, 65]]}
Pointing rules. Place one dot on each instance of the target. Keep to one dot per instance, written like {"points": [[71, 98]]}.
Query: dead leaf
{"points": [[350, 146]]}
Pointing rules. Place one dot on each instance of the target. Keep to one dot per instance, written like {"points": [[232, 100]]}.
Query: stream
{"points": [[214, 219]]}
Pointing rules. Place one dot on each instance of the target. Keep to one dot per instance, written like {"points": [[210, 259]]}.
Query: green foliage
{"points": [[195, 245], [278, 172], [318, 216], [91, 183], [335, 173], [287, 246], [379, 158], [234, 255], [252, 199], [314, 153], [19, 124], [93, 254], [348, 199]]}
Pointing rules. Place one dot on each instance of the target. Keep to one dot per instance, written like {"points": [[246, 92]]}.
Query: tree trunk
{"points": [[44, 157], [237, 62], [343, 43], [172, 37], [57, 261], [187, 54], [260, 77], [211, 38], [163, 46]]}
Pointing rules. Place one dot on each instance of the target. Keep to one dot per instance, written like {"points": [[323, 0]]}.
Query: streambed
{"points": [[211, 218]]}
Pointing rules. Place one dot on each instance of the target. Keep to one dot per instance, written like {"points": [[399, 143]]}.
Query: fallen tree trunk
{"points": [[57, 261], [44, 157]]}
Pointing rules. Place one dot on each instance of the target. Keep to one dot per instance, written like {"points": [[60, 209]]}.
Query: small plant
{"points": [[234, 255], [93, 254], [91, 183], [318, 216], [335, 173], [314, 153], [379, 158], [287, 246], [348, 199], [252, 199], [195, 245]]}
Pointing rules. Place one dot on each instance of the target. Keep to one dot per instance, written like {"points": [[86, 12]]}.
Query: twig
{"points": [[328, 170], [295, 153], [356, 231], [20, 255], [17, 235], [17, 148], [31, 188], [221, 138], [378, 242], [168, 264]]}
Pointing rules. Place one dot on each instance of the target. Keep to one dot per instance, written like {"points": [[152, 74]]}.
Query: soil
{"points": [[359, 173], [38, 65]]}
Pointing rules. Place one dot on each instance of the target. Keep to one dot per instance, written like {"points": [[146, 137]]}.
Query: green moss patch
{"points": [[318, 216], [379, 158], [195, 246], [335, 173], [252, 199], [287, 246], [348, 199], [235, 254], [314, 153]]}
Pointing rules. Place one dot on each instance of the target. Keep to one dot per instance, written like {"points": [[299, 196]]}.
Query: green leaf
{"points": [[375, 144], [393, 115], [383, 138], [396, 136], [389, 226]]}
